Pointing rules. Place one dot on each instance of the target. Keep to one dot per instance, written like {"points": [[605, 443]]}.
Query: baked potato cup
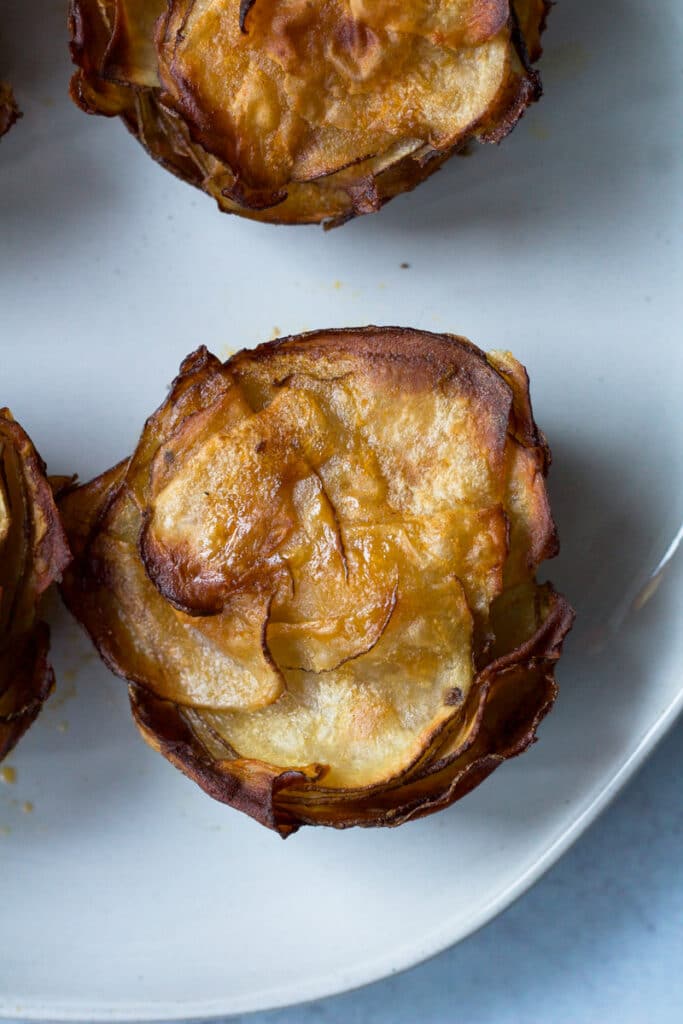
{"points": [[33, 553], [317, 573], [304, 112]]}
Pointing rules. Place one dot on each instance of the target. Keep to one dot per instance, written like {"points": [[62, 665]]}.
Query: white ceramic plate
{"points": [[128, 894]]}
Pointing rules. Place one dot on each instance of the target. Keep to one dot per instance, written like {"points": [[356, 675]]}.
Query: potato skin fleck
{"points": [[318, 574]]}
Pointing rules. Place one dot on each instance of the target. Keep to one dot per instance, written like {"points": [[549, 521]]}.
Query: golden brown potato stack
{"points": [[9, 111], [33, 553], [299, 111], [317, 571]]}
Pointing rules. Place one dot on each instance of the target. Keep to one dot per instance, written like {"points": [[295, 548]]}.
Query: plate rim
{"points": [[326, 986]]}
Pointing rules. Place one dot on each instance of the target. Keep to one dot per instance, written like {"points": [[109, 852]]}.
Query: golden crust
{"points": [[513, 696], [33, 553], [304, 113], [9, 111], [317, 571]]}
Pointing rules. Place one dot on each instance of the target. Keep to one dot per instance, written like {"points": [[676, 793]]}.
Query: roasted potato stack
{"points": [[301, 111], [9, 111], [33, 553], [317, 571]]}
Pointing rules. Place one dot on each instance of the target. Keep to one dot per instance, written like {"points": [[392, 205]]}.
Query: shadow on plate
{"points": [[611, 543]]}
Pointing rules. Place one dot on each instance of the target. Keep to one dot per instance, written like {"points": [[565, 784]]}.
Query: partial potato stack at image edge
{"points": [[317, 572], [9, 111], [307, 112], [33, 553]]}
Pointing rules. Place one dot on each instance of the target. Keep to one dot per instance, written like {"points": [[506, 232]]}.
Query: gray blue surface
{"points": [[598, 939]]}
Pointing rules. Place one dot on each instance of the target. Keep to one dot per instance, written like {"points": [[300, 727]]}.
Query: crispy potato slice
{"points": [[300, 112], [318, 572], [33, 553]]}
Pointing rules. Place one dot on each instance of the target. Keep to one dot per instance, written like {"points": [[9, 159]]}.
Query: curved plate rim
{"points": [[303, 991]]}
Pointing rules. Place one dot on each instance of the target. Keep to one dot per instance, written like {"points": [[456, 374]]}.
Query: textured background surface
{"points": [[600, 938]]}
